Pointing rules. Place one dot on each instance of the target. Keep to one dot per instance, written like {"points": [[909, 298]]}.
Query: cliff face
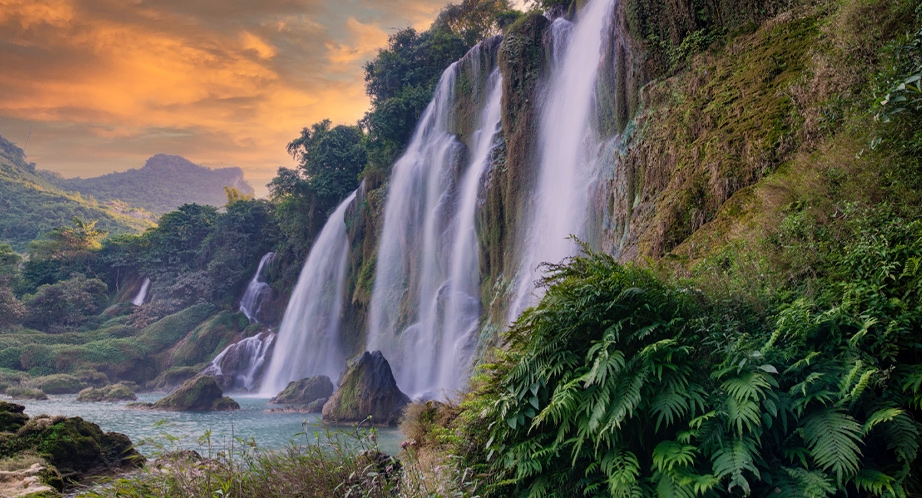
{"points": [[701, 110]]}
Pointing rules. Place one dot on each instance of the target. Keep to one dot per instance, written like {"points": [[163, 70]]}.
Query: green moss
{"points": [[57, 384], [208, 339], [116, 392]]}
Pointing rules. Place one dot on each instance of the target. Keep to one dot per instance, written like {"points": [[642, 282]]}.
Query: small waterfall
{"points": [[568, 148], [142, 294], [257, 290], [241, 363], [308, 339], [426, 302]]}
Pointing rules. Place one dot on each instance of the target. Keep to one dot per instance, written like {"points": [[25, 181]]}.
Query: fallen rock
{"points": [[367, 389], [12, 416], [74, 447], [33, 481], [305, 391], [115, 392], [18, 393], [199, 394]]}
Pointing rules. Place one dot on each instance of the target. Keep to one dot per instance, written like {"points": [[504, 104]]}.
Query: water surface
{"points": [[157, 429]]}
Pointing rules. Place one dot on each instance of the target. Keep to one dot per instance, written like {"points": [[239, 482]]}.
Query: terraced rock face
{"points": [[305, 391]]}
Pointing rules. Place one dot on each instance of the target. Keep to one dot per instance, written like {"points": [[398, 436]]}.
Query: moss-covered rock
{"points": [[305, 391], [58, 384], [26, 393], [115, 392], [199, 394], [12, 416], [367, 393], [75, 447], [38, 480]]}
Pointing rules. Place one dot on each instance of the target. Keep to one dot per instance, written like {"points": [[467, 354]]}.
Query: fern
{"points": [[832, 438], [733, 460]]}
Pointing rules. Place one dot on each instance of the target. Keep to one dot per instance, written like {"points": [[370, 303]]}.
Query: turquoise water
{"points": [[175, 430]]}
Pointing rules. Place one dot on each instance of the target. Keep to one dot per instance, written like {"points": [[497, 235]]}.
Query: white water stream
{"points": [[308, 340], [568, 149]]}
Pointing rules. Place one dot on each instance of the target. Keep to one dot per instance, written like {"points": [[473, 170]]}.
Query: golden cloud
{"points": [[106, 83]]}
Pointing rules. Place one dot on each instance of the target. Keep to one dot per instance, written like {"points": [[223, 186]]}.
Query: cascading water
{"points": [[239, 366], [308, 341], [256, 290], [142, 294], [426, 302], [568, 148]]}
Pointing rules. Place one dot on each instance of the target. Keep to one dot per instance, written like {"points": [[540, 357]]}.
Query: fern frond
{"points": [[875, 482], [883, 415], [902, 434], [734, 459], [669, 454], [832, 438]]}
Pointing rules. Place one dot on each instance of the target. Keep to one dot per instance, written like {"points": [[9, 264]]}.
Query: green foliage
{"points": [[620, 384], [401, 80], [67, 304], [330, 161], [32, 205]]}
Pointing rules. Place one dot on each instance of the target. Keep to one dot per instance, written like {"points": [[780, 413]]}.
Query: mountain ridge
{"points": [[164, 183]]}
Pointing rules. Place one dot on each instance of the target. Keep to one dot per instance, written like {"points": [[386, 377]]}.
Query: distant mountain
{"points": [[162, 185], [31, 205]]}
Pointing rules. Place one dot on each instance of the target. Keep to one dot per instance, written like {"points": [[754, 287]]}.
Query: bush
{"points": [[621, 384]]}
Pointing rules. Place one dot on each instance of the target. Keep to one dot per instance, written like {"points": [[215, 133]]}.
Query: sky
{"points": [[88, 87]]}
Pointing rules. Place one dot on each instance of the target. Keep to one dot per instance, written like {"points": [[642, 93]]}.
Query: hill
{"points": [[162, 185], [32, 206]]}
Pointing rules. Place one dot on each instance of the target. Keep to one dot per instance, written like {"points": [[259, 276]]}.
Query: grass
{"points": [[323, 464]]}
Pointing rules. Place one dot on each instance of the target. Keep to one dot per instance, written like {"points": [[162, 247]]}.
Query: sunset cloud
{"points": [[104, 84]]}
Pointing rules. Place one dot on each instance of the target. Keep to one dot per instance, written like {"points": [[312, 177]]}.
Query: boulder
{"points": [[198, 394], [305, 391], [12, 416], [367, 389], [115, 392], [26, 393], [58, 384], [74, 447]]}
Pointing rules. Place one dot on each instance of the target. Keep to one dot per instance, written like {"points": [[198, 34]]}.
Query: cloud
{"points": [[104, 84]]}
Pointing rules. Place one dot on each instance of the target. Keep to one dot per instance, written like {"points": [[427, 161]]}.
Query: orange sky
{"points": [[105, 84]]}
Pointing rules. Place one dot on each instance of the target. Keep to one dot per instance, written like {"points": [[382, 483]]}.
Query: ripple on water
{"points": [[269, 430]]}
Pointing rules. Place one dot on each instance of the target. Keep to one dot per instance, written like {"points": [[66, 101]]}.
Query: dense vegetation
{"points": [[764, 341], [32, 206]]}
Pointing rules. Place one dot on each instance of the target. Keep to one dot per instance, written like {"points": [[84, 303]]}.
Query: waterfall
{"points": [[142, 294], [568, 148], [240, 364], [308, 340], [426, 301], [257, 289]]}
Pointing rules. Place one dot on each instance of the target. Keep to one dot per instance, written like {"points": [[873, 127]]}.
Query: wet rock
{"points": [[198, 394], [115, 392], [12, 417], [305, 391], [367, 393]]}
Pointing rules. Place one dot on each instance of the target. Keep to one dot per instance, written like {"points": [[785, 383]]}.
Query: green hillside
{"points": [[30, 206], [162, 185]]}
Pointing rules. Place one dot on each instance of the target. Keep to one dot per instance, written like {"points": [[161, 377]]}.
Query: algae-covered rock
{"points": [[58, 384], [115, 392], [201, 393], [26, 393], [12, 416], [305, 391], [367, 389], [75, 447]]}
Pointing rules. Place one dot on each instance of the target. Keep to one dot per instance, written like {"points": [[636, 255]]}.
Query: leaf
{"points": [[732, 460], [832, 438]]}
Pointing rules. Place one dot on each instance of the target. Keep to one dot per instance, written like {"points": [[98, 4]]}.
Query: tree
{"points": [[65, 305], [330, 159]]}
